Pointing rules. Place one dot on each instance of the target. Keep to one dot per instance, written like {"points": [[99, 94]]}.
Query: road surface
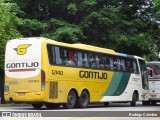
{"points": [[115, 111]]}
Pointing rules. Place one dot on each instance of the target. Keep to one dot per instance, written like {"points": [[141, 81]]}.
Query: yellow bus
{"points": [[41, 72]]}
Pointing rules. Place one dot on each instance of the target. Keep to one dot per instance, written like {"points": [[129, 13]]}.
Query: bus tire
{"points": [[153, 102], [134, 99], [146, 102], [37, 105], [52, 105], [83, 100], [106, 104], [71, 100]]}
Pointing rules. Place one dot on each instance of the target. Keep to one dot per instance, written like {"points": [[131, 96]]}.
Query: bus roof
{"points": [[80, 46], [29, 38], [93, 47]]}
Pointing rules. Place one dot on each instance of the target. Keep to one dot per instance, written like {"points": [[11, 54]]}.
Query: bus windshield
{"points": [[155, 68]]}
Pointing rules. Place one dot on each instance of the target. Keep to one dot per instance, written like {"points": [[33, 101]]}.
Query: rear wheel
{"points": [[134, 99], [83, 100], [71, 100], [37, 106], [52, 105]]}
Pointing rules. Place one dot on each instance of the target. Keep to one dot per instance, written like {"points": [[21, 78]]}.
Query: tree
{"points": [[8, 30], [63, 31], [125, 26], [157, 4]]}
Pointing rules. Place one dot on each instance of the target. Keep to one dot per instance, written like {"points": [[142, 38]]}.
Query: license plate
{"points": [[21, 94]]}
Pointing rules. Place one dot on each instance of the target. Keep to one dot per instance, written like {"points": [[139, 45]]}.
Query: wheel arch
{"points": [[137, 94], [78, 93], [73, 89]]}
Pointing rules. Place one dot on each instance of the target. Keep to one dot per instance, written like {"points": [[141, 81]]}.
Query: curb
{"points": [[13, 105], [5, 105]]}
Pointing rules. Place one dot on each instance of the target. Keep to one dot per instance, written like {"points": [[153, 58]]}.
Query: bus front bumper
{"points": [[154, 97]]}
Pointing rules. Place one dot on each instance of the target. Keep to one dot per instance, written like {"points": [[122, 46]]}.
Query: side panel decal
{"points": [[118, 84]]}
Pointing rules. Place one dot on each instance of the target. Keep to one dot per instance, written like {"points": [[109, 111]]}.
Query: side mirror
{"points": [[150, 72]]}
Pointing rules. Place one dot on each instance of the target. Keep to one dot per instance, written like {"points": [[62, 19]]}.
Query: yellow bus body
{"points": [[60, 80]]}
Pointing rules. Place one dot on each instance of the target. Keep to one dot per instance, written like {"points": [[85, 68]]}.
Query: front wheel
{"points": [[146, 102], [83, 100], [37, 106], [71, 100], [153, 102], [134, 99], [106, 104]]}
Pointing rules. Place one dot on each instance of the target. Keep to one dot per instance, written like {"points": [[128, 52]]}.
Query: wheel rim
{"points": [[84, 99], [71, 99]]}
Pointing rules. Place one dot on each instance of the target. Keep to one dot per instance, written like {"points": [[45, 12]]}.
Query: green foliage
{"points": [[157, 4], [63, 31], [8, 30], [31, 27], [72, 8], [129, 26]]}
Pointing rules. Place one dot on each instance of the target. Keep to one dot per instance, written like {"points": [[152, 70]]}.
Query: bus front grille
{"points": [[53, 90]]}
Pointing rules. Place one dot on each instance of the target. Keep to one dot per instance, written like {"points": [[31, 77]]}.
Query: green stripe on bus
{"points": [[118, 84], [114, 84], [123, 84]]}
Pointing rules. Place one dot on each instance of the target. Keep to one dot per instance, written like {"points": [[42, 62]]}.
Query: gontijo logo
{"points": [[22, 49]]}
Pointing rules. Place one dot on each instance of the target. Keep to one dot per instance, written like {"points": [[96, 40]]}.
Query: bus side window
{"points": [[101, 61], [128, 65], [123, 67], [80, 60], [135, 67], [131, 67], [65, 56], [111, 63], [75, 58], [107, 63], [85, 59], [58, 59], [51, 55], [97, 60], [119, 64], [71, 58], [92, 60], [114, 64]]}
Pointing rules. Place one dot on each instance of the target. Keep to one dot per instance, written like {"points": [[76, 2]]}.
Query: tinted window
{"points": [[123, 67], [51, 54], [155, 68], [135, 67], [58, 55], [80, 58], [92, 60]]}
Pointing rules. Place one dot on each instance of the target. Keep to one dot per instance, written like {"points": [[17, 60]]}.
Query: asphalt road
{"points": [[115, 111]]}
